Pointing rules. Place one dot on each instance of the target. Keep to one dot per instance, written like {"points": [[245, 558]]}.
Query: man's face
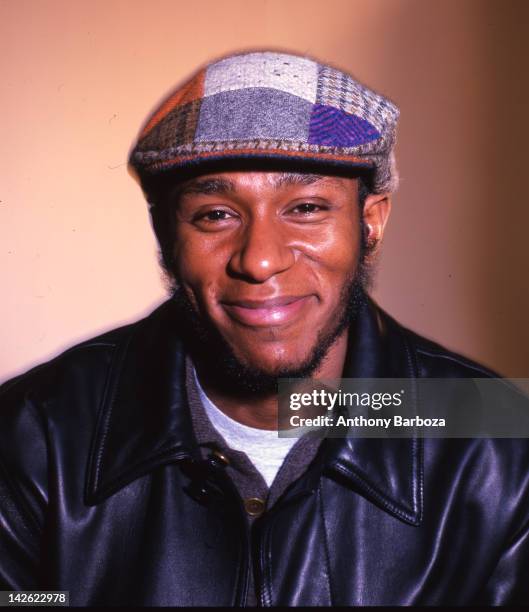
{"points": [[266, 258]]}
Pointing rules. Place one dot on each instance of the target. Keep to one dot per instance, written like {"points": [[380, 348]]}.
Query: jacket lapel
{"points": [[387, 471], [143, 421]]}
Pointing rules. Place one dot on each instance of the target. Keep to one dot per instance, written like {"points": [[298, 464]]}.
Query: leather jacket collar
{"points": [[144, 421]]}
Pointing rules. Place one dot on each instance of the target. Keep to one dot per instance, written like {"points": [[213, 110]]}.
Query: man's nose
{"points": [[261, 252]]}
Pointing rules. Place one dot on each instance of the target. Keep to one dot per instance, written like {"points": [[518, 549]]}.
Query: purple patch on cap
{"points": [[332, 127]]}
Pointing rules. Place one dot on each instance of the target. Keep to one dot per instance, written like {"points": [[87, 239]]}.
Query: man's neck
{"points": [[261, 411]]}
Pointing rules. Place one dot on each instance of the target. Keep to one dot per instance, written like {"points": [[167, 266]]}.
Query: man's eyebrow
{"points": [[207, 186], [222, 185], [299, 178]]}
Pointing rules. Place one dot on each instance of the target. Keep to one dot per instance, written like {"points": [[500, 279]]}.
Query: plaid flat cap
{"points": [[271, 106]]}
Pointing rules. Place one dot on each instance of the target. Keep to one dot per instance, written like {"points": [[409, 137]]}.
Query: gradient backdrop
{"points": [[79, 78]]}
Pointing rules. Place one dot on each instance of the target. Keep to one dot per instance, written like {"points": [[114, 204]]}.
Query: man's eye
{"points": [[307, 208], [215, 215], [213, 220]]}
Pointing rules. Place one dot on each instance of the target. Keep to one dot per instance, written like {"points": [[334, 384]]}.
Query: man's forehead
{"points": [[231, 181]]}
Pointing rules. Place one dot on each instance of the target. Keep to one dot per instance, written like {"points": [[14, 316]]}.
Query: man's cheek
{"points": [[336, 250], [200, 254], [338, 261], [190, 262]]}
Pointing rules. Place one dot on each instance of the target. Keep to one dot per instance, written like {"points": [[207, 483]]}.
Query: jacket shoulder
{"points": [[79, 357], [435, 360], [72, 357], [38, 407], [72, 382]]}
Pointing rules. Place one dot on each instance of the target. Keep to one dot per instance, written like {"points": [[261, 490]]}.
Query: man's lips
{"points": [[266, 313]]}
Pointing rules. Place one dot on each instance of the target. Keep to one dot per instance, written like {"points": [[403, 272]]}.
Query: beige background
{"points": [[79, 77]]}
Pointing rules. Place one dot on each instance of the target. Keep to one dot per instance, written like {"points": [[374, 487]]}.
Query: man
{"points": [[144, 466]]}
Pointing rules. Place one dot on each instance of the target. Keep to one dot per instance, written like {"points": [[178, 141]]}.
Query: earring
{"points": [[371, 241]]}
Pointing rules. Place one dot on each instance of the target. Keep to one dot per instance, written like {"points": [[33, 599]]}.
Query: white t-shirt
{"points": [[265, 449]]}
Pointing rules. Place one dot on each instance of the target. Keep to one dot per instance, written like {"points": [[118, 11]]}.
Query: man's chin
{"points": [[256, 377], [246, 375], [273, 362]]}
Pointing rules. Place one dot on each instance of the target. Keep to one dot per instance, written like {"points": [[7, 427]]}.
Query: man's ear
{"points": [[377, 207]]}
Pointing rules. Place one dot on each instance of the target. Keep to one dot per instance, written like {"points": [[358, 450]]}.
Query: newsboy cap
{"points": [[271, 106]]}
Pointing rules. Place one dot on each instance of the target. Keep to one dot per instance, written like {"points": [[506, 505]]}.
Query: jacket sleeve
{"points": [[23, 480], [18, 541], [509, 582]]}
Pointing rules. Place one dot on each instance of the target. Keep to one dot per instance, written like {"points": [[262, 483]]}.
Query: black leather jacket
{"points": [[97, 496]]}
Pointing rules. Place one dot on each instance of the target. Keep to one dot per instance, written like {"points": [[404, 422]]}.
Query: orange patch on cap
{"points": [[192, 90]]}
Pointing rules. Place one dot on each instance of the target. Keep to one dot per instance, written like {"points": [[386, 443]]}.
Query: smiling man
{"points": [[271, 269], [144, 467]]}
